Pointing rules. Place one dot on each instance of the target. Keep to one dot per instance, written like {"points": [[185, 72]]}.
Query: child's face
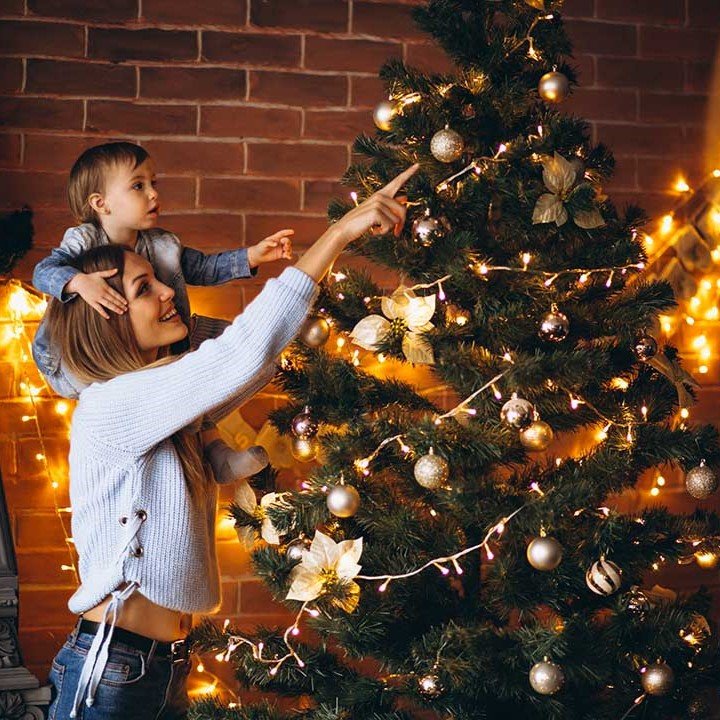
{"points": [[131, 196]]}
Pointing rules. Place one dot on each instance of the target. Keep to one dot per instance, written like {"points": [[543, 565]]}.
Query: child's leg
{"points": [[229, 465]]}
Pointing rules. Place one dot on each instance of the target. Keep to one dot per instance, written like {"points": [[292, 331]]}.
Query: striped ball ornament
{"points": [[604, 577]]}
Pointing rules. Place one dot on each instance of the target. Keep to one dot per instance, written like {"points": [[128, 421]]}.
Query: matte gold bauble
{"points": [[383, 115], [544, 553], [657, 679], [554, 87], [304, 450], [343, 501], [315, 331], [537, 436]]}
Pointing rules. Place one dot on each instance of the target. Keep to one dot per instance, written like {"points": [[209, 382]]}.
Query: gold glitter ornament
{"points": [[537, 436], [315, 331], [546, 678], [304, 450], [657, 679], [431, 471], [554, 87], [447, 145], [701, 482], [430, 686], [383, 114]]}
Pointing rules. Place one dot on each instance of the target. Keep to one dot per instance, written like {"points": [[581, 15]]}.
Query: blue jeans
{"points": [[134, 684]]}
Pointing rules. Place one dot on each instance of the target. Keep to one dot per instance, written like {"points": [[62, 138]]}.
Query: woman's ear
{"points": [[97, 203]]}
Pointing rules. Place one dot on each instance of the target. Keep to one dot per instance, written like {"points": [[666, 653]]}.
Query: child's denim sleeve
{"points": [[53, 273], [216, 268]]}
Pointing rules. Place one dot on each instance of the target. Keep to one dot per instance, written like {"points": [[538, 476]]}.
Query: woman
{"points": [[143, 504]]}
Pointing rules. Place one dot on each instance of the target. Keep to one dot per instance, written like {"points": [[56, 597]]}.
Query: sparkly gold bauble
{"points": [[657, 679], [554, 327], [343, 501], [430, 686], [304, 450], [701, 482], [383, 114], [447, 145], [315, 331], [554, 87], [304, 425], [517, 413], [544, 553], [546, 677], [537, 436], [604, 577], [431, 471]]}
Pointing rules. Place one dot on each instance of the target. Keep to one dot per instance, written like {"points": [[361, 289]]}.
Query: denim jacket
{"points": [[174, 265]]}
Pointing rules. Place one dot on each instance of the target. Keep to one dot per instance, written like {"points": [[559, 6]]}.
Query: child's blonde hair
{"points": [[89, 173]]}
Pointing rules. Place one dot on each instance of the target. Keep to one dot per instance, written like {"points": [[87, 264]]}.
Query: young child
{"points": [[112, 192]]}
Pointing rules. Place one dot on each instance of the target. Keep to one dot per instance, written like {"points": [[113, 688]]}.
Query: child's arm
{"points": [[218, 268]]}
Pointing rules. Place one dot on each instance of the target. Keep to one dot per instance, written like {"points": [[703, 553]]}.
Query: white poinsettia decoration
{"points": [[560, 177], [326, 564], [245, 499], [405, 313]]}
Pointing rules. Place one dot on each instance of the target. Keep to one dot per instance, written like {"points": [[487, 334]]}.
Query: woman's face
{"points": [[151, 310]]}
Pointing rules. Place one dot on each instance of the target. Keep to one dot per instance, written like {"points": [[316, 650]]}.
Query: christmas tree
{"points": [[474, 560]]}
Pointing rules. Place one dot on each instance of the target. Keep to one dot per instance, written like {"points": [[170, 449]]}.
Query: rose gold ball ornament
{"points": [[544, 553], [554, 87], [383, 114], [537, 436], [304, 450], [431, 471], [315, 331], [645, 347], [447, 145], [304, 425], [517, 413], [546, 678], [701, 482], [343, 501], [554, 327], [427, 229], [657, 679]]}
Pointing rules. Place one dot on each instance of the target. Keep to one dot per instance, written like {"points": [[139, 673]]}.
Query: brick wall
{"points": [[249, 108]]}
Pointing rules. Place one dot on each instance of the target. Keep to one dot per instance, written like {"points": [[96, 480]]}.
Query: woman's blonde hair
{"points": [[95, 349], [89, 174]]}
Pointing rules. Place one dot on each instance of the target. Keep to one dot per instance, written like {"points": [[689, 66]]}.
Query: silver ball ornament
{"points": [[645, 347], [430, 686], [304, 450], [383, 114], [554, 87], [604, 577], [637, 602], [517, 413], [294, 550], [701, 482], [554, 327], [315, 331], [427, 229], [304, 425], [537, 436], [431, 471], [546, 678], [657, 679], [544, 553], [447, 145], [343, 501]]}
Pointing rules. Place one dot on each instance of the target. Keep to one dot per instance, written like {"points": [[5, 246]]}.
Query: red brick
{"points": [[307, 230], [107, 11], [699, 76], [44, 567], [579, 9], [8, 456], [233, 559], [318, 15], [229, 605], [251, 49], [10, 145], [192, 83], [352, 55], [652, 140], [300, 89], [644, 74], [80, 78], [670, 42], [56, 153], [11, 75], [218, 12], [660, 175], [40, 646], [33, 188], [654, 203], [680, 108], [625, 175], [337, 124], [210, 232], [35, 493], [140, 119], [23, 112], [186, 157], [703, 13], [255, 598], [366, 91], [296, 160], [318, 194], [176, 193], [249, 194], [602, 38], [49, 227], [247, 121], [648, 12], [585, 65], [428, 57], [12, 7], [384, 20], [48, 606], [29, 37], [223, 302], [602, 104], [120, 45], [38, 530]]}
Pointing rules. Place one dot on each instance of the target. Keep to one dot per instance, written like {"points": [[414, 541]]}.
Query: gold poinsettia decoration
{"points": [[245, 499], [561, 179], [327, 566]]}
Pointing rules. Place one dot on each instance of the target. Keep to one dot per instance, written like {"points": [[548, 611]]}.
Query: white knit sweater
{"points": [[123, 464]]}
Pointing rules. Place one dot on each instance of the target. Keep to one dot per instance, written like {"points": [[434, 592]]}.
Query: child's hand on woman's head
{"points": [[93, 289], [277, 246]]}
